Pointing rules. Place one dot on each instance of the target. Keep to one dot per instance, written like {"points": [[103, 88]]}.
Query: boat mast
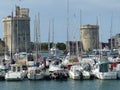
{"points": [[53, 33], [17, 28], [68, 46], [49, 39], [111, 46], [75, 50], [26, 41], [53, 43], [81, 33], [100, 40], [11, 56], [17, 36], [77, 46], [39, 33], [36, 40], [97, 43]]}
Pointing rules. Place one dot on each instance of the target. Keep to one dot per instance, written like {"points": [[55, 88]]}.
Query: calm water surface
{"points": [[61, 85]]}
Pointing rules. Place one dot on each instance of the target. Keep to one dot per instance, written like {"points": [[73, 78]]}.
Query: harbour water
{"points": [[61, 85]]}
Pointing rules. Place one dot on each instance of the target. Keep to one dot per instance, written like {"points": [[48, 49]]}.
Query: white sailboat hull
{"points": [[35, 76], [14, 76], [34, 73]]}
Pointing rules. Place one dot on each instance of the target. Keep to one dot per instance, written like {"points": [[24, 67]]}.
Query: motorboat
{"points": [[116, 67], [55, 66], [104, 70], [74, 72], [77, 72], [86, 75]]}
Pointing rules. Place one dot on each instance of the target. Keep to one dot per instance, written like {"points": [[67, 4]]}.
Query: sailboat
{"points": [[77, 72], [16, 71], [53, 52], [36, 72]]}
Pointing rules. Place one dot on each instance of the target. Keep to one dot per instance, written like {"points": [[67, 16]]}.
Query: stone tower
{"points": [[90, 37], [17, 30]]}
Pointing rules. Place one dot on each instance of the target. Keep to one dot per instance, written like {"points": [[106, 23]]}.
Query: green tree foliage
{"points": [[61, 46], [32, 45], [44, 46]]}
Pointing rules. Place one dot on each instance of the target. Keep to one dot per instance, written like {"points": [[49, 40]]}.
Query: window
{"points": [[104, 68], [18, 69], [14, 69]]}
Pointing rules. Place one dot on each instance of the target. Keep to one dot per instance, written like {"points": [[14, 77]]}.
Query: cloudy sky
{"points": [[57, 10]]}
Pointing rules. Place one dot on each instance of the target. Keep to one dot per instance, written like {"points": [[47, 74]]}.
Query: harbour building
{"points": [[16, 33], [114, 41], [89, 37]]}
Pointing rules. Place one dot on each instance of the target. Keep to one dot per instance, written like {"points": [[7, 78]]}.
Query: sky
{"points": [[56, 10]]}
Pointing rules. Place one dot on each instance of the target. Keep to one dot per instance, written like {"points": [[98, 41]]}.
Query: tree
{"points": [[44, 46], [61, 46]]}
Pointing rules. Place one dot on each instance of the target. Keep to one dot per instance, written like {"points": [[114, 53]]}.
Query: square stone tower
{"points": [[17, 31]]}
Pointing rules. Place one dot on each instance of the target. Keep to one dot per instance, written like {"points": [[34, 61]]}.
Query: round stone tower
{"points": [[90, 37]]}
